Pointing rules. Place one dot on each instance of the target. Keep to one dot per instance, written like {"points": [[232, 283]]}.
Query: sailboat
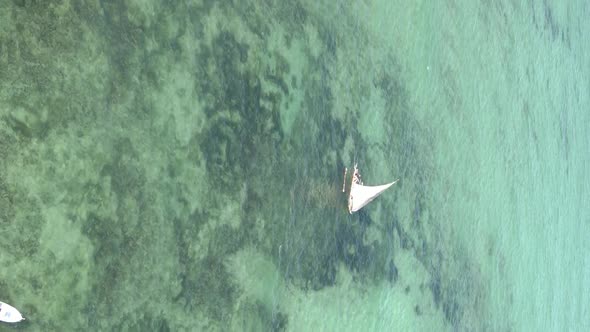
{"points": [[9, 314], [361, 195]]}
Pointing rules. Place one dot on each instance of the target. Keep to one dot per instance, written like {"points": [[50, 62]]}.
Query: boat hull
{"points": [[9, 314]]}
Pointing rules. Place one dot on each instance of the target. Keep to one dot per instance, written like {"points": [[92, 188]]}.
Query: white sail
{"points": [[361, 195]]}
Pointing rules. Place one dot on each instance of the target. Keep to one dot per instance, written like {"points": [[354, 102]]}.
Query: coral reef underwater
{"points": [[145, 145]]}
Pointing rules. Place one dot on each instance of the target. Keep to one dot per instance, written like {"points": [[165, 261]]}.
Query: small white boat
{"points": [[361, 195], [9, 314]]}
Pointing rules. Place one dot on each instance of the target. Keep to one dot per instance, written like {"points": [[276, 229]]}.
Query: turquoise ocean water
{"points": [[177, 166]]}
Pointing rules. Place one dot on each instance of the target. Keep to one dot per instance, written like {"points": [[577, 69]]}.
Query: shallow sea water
{"points": [[177, 166]]}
